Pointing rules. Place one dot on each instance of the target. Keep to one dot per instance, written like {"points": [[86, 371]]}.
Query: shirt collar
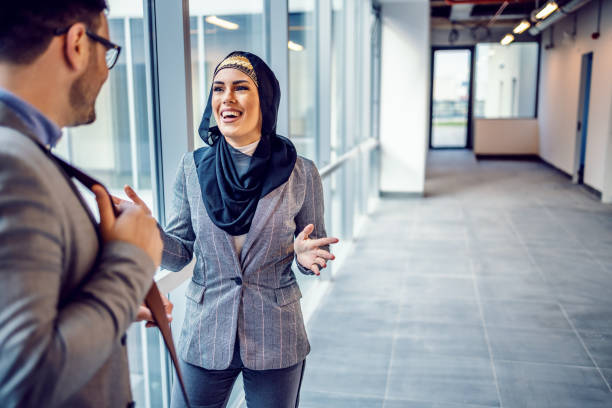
{"points": [[47, 132], [247, 149]]}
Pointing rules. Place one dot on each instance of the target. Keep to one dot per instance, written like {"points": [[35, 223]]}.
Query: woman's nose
{"points": [[228, 97]]}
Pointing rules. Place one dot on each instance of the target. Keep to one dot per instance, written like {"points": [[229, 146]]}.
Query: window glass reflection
{"points": [[218, 28], [302, 76], [506, 80]]}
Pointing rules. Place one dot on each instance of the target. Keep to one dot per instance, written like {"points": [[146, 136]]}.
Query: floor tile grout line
{"points": [[584, 247], [397, 322], [603, 377], [505, 360], [394, 399], [484, 326], [543, 276]]}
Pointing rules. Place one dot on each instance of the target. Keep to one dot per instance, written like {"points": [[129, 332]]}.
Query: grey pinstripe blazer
{"points": [[66, 299], [254, 293]]}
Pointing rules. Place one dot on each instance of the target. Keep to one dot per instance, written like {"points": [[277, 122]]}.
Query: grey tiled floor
{"points": [[495, 290]]}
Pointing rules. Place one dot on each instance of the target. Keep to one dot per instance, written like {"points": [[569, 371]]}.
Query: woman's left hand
{"points": [[308, 251], [144, 313]]}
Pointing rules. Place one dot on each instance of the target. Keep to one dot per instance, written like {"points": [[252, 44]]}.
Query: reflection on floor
{"points": [[494, 290]]}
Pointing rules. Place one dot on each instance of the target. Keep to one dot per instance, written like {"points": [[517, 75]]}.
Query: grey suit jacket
{"points": [[254, 293], [65, 301]]}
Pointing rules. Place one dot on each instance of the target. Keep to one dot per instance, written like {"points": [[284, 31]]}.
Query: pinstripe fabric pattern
{"points": [[264, 309]]}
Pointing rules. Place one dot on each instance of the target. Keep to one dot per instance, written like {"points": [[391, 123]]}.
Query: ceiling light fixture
{"points": [[521, 27], [228, 25], [548, 9], [507, 39], [293, 46]]}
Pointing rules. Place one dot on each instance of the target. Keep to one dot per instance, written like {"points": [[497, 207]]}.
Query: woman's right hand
{"points": [[129, 191], [134, 224]]}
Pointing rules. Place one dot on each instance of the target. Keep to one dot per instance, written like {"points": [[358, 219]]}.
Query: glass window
{"points": [[303, 76], [116, 149], [506, 80], [218, 28], [451, 93], [337, 79]]}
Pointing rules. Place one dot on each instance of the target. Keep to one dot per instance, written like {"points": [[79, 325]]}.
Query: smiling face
{"points": [[235, 103]]}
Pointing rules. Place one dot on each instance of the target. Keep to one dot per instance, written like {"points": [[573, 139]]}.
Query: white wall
{"points": [[505, 136], [559, 93], [404, 115]]}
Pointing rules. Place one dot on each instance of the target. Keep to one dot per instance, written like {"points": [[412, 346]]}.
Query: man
{"points": [[68, 292]]}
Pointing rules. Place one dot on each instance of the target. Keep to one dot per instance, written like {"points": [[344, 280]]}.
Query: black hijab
{"points": [[230, 198]]}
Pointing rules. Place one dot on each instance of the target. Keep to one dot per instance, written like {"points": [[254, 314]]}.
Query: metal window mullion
{"points": [[202, 61], [145, 365], [276, 19], [323, 17], [174, 85], [168, 52], [347, 174], [131, 101], [324, 50], [152, 92], [166, 367]]}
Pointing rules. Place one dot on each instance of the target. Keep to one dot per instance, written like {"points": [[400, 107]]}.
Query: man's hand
{"points": [[134, 225], [308, 251], [145, 314]]}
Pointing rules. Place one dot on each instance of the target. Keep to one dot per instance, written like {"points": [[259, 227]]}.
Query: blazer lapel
{"points": [[262, 213]]}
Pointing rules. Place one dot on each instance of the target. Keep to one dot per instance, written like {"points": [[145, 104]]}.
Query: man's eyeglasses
{"points": [[112, 50]]}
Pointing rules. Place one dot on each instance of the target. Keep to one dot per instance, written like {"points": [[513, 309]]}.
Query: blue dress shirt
{"points": [[47, 132]]}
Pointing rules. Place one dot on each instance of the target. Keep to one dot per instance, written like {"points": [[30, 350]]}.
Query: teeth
{"points": [[230, 113]]}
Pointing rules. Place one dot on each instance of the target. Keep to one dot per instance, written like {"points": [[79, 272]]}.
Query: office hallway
{"points": [[494, 290]]}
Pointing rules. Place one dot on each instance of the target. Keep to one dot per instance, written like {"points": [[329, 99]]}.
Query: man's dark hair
{"points": [[28, 26]]}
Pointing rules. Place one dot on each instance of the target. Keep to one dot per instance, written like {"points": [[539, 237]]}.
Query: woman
{"points": [[239, 205]]}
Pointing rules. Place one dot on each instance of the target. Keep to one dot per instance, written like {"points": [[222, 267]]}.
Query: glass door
{"points": [[450, 98]]}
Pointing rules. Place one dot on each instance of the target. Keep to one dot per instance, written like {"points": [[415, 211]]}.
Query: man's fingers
{"points": [[107, 217]]}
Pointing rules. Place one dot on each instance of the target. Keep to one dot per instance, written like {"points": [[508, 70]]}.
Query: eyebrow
{"points": [[240, 81]]}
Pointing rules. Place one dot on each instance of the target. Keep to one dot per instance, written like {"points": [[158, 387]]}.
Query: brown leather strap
{"points": [[154, 302], [153, 299]]}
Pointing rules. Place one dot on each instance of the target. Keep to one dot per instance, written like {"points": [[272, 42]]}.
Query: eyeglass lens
{"points": [[111, 57]]}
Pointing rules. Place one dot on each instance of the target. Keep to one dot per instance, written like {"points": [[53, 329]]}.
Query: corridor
{"points": [[493, 290]]}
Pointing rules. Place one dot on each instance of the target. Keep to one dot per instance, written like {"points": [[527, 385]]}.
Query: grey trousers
{"points": [[262, 388]]}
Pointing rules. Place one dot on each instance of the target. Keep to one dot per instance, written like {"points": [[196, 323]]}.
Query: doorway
{"points": [[582, 122], [451, 98]]}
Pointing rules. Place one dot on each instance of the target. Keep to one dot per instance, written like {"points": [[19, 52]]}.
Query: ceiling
{"points": [[498, 14]]}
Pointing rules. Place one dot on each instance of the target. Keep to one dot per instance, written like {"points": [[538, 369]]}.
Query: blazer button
{"points": [[123, 339], [238, 281], [131, 404]]}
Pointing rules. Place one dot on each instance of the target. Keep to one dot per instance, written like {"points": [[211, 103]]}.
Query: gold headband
{"points": [[240, 63]]}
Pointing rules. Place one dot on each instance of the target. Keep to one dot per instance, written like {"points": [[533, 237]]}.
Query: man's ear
{"points": [[77, 47]]}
